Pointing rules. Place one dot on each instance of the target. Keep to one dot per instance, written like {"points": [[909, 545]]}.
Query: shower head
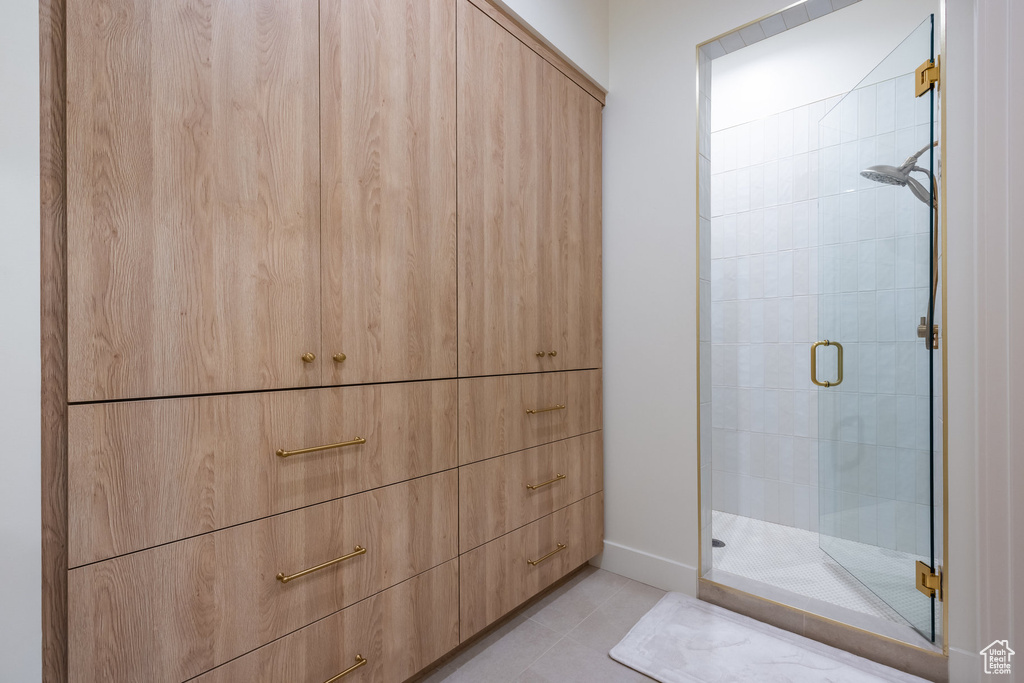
{"points": [[887, 175], [890, 175]]}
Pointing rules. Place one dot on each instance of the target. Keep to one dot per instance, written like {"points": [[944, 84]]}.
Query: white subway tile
{"points": [[756, 187], [885, 264], [743, 190], [786, 180], [905, 105], [742, 139], [885, 107], [785, 134], [785, 227], [866, 276], [801, 183], [771, 501], [771, 316], [866, 214], [848, 110], [886, 524], [867, 102], [801, 273], [771, 229], [757, 142], [771, 183], [729, 191], [868, 522], [867, 382], [785, 273], [867, 329], [849, 166], [771, 138], [801, 122]]}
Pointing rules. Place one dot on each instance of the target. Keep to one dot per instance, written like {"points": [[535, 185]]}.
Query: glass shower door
{"points": [[878, 386]]}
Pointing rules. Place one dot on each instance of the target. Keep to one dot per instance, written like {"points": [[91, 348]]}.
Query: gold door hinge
{"points": [[927, 74], [929, 582]]}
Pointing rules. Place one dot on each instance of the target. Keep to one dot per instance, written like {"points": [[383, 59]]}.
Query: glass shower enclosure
{"points": [[877, 365]]}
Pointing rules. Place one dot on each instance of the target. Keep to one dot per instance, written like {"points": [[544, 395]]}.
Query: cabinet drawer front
{"points": [[398, 632], [494, 417], [177, 610], [495, 496], [497, 577], [143, 473]]}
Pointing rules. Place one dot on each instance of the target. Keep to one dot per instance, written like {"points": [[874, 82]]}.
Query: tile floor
{"points": [[790, 558], [565, 637], [562, 638], [787, 565]]}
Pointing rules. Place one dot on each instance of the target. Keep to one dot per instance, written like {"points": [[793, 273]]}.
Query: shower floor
{"points": [[789, 559]]}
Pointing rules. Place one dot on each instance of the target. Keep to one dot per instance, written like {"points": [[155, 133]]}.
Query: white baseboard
{"points": [[653, 570], [964, 666]]}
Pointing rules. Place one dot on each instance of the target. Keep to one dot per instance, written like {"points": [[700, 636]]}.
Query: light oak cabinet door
{"points": [[193, 204], [398, 632], [143, 473], [529, 208], [497, 577], [388, 145], [177, 610], [502, 494]]}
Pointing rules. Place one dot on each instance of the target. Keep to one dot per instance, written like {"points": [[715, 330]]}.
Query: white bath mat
{"points": [[685, 640]]}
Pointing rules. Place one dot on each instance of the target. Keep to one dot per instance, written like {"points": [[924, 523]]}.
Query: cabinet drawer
{"points": [[500, 415], [497, 577], [143, 473], [398, 632], [495, 496], [177, 610]]}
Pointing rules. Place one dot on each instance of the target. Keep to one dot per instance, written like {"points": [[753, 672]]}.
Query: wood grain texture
{"points": [[177, 610], [388, 146], [493, 418], [529, 209], [398, 632], [144, 473], [193, 196], [53, 338], [513, 26], [494, 499], [496, 578]]}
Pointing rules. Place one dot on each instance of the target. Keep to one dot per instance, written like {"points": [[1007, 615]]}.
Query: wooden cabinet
{"points": [[529, 208], [177, 610], [499, 576], [499, 415], [142, 473], [398, 632], [502, 494], [332, 279], [193, 197], [388, 144]]}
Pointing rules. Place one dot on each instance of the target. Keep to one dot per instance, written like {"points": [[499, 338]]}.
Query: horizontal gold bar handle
{"points": [[534, 487], [360, 661], [534, 411], [814, 363], [281, 453], [359, 550], [560, 548]]}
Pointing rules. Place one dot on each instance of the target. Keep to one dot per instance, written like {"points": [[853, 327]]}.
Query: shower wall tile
{"points": [[801, 244]]}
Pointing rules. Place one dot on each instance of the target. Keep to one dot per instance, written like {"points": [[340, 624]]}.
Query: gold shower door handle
{"points": [[814, 363]]}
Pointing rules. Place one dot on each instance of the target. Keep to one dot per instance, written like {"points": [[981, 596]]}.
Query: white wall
{"points": [[831, 55], [20, 604], [578, 29]]}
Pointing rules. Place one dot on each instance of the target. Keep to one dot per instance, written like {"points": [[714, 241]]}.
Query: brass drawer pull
{"points": [[560, 548], [814, 363], [281, 453], [359, 550], [534, 411], [360, 661], [534, 487]]}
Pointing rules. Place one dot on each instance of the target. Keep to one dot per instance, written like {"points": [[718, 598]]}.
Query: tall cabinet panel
{"points": [[193, 197], [504, 200], [388, 145], [529, 208], [575, 284]]}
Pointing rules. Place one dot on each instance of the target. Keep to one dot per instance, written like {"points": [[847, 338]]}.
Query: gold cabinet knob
{"points": [[308, 357], [339, 357], [552, 353], [541, 354]]}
